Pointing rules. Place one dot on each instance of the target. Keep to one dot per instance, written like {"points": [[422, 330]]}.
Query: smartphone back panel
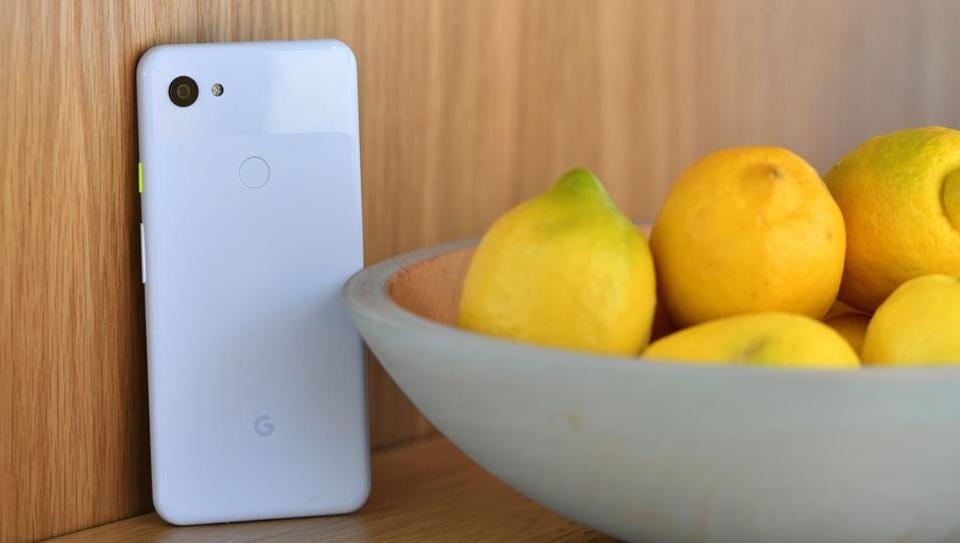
{"points": [[251, 224]]}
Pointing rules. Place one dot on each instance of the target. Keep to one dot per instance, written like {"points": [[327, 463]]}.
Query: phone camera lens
{"points": [[183, 91]]}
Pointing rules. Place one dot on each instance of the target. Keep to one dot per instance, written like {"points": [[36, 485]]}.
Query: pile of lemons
{"points": [[753, 259]]}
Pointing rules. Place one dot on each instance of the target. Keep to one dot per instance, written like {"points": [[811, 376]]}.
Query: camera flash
{"points": [[217, 89]]}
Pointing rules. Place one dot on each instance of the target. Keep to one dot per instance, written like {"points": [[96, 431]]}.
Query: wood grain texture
{"points": [[72, 392], [427, 491], [467, 107]]}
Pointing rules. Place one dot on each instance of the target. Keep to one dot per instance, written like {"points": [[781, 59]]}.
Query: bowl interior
{"points": [[431, 288]]}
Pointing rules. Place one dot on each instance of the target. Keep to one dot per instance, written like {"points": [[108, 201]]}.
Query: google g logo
{"points": [[263, 426]]}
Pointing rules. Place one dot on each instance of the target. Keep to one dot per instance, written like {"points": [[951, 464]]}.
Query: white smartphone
{"points": [[252, 222]]}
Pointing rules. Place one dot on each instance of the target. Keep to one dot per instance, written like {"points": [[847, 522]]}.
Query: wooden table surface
{"points": [[426, 491]]}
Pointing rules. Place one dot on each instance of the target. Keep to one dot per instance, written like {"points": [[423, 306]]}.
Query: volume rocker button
{"points": [[143, 256]]}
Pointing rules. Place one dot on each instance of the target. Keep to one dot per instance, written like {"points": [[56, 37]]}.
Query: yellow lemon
{"points": [[747, 230], [566, 269], [765, 339], [900, 197], [918, 324], [852, 326]]}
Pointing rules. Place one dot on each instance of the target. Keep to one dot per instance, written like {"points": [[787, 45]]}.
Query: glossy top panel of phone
{"points": [[282, 87]]}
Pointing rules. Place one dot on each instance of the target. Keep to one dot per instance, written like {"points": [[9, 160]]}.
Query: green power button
{"points": [[140, 177]]}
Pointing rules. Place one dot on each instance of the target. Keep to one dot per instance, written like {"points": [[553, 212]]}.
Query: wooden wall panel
{"points": [[467, 107]]}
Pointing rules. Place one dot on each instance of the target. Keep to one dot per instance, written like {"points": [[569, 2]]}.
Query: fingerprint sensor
{"points": [[254, 172]]}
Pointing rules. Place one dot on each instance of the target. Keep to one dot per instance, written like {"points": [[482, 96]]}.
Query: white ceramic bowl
{"points": [[649, 451]]}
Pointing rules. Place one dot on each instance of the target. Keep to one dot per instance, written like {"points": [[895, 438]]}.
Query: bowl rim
{"points": [[367, 295]]}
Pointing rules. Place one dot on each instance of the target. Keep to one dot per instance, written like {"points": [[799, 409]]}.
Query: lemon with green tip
{"points": [[566, 269]]}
